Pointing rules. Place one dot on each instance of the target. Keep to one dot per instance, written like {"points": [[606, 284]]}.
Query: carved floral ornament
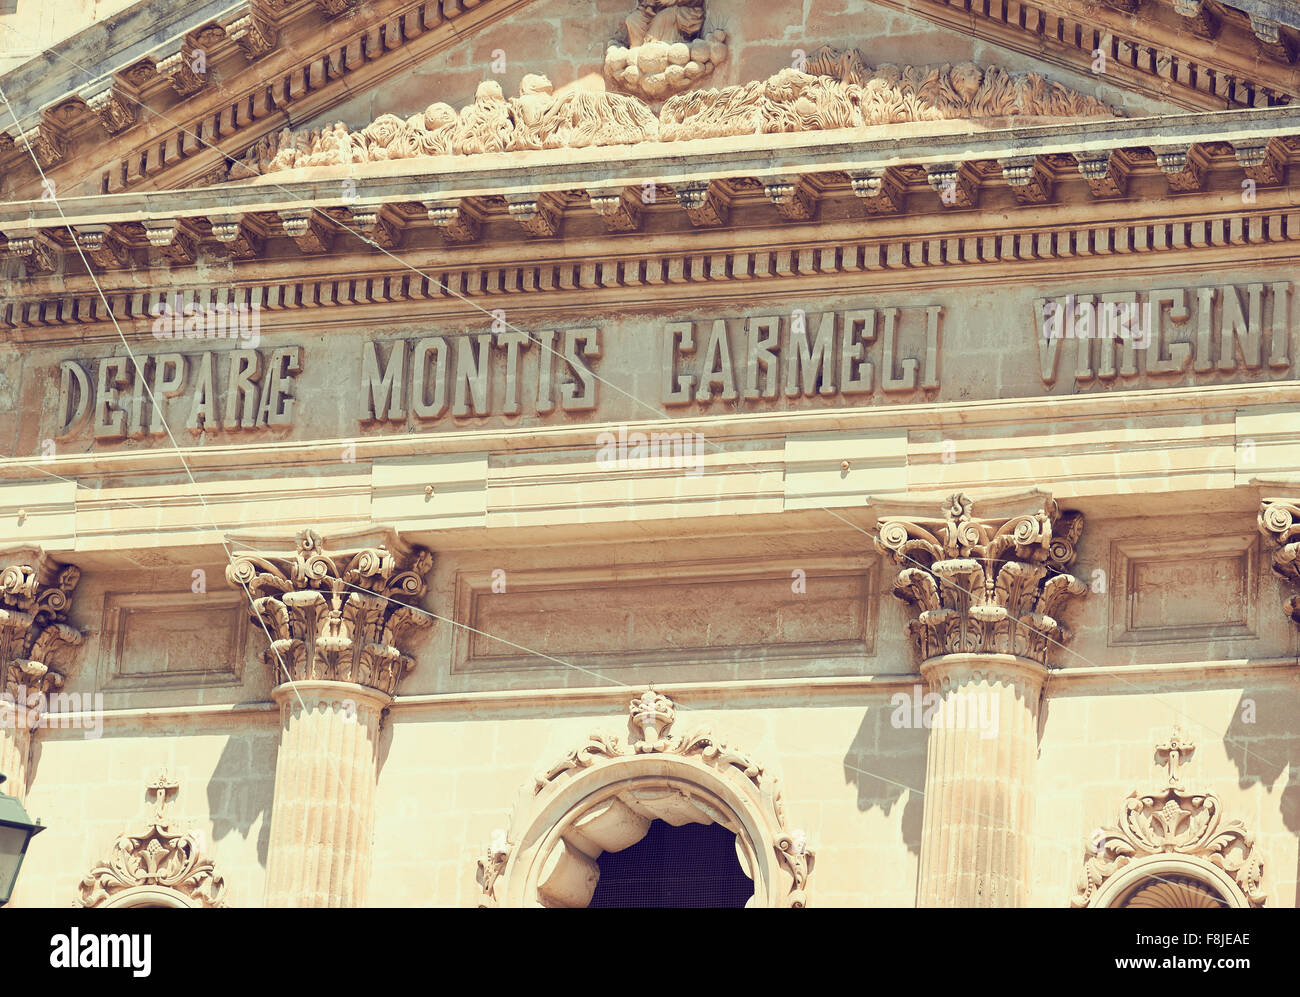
{"points": [[337, 616], [35, 595], [1171, 846], [158, 863], [604, 794], [1279, 522], [985, 585], [838, 90]]}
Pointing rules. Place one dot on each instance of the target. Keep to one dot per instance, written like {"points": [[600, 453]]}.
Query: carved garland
{"points": [[651, 716], [337, 617]]}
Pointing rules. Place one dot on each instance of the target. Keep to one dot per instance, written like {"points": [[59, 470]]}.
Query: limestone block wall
{"points": [[87, 791], [448, 781], [1098, 747]]}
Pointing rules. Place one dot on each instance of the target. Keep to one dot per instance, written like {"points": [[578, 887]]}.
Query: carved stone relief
{"points": [[609, 792], [986, 586], [838, 91], [667, 49], [157, 863], [1171, 846]]}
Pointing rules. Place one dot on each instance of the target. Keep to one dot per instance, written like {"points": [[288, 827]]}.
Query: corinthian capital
{"points": [[337, 615], [35, 594], [990, 586], [1279, 522]]}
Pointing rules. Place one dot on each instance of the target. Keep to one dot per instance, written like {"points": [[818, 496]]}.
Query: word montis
{"points": [[721, 363]]}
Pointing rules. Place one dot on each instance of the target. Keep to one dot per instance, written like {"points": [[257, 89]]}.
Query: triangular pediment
{"points": [[291, 84]]}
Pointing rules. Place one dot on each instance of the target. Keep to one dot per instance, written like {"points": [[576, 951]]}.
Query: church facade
{"points": [[486, 454]]}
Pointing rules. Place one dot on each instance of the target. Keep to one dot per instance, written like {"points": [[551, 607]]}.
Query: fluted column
{"points": [[988, 592], [323, 812], [979, 780], [334, 618], [35, 594]]}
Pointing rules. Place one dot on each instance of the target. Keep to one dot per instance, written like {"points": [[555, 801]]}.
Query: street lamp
{"points": [[16, 830]]}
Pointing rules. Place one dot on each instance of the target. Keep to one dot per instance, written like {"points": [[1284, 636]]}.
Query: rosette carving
{"points": [[35, 596], [985, 586], [337, 616], [1279, 522]]}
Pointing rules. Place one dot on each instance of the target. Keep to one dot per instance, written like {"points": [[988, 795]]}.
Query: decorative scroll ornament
{"points": [[157, 854], [667, 51], [1175, 821], [985, 586], [650, 719], [35, 596], [1279, 522], [337, 616], [838, 91]]}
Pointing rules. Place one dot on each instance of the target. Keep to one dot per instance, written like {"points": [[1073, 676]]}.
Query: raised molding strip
{"points": [[901, 254]]}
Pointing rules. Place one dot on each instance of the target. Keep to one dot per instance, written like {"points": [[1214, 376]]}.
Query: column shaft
{"points": [[322, 817], [983, 744]]}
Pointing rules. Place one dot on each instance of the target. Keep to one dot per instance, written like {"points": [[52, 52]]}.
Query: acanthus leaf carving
{"points": [[35, 596], [985, 586], [1279, 522], [337, 616]]}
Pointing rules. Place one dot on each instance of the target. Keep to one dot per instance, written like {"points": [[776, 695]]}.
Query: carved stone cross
{"points": [[1172, 751], [163, 789]]}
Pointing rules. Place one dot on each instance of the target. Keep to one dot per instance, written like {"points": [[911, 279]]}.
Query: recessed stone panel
{"points": [[1181, 592], [670, 614], [172, 641]]}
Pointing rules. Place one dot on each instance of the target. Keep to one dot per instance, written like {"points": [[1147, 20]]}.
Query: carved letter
{"points": [[381, 394], [436, 347], [677, 387], [570, 399]]}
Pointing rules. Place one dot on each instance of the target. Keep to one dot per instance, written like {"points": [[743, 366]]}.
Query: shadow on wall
{"points": [[887, 762], [1261, 743], [237, 796]]}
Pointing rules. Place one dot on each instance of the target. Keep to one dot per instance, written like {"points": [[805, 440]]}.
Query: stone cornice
{"points": [[336, 615], [195, 228], [308, 57], [985, 586], [901, 261], [1149, 46]]}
